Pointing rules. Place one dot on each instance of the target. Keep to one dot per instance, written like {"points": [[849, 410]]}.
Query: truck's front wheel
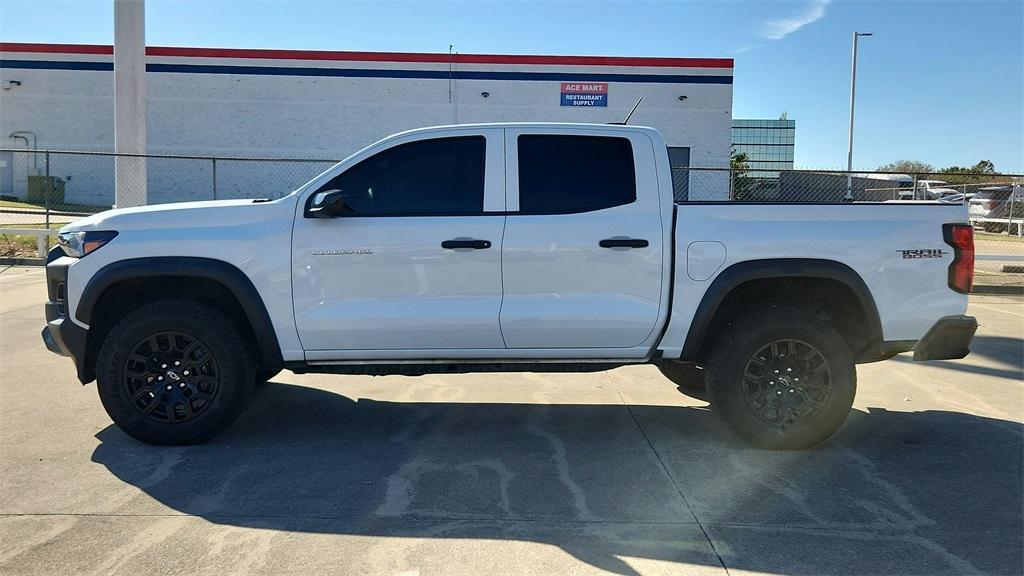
{"points": [[782, 378], [174, 372]]}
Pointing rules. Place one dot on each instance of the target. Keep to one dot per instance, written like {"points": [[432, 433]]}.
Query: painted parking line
{"points": [[14, 273], [994, 309], [993, 298]]}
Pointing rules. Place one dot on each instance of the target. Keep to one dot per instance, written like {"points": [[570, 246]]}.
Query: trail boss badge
{"points": [[922, 253]]}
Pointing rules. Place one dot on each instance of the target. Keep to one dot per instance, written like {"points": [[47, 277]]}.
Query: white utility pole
{"points": [[129, 102], [853, 96]]}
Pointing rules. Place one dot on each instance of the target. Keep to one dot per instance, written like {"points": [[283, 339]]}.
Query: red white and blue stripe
{"points": [[255, 62]]}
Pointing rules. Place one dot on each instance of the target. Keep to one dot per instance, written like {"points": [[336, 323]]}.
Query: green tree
{"points": [[907, 167], [982, 167], [738, 161], [742, 183], [985, 167], [983, 171]]}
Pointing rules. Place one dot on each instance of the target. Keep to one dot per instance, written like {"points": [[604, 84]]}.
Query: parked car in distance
{"points": [[933, 189], [994, 202], [902, 187], [957, 198], [506, 247]]}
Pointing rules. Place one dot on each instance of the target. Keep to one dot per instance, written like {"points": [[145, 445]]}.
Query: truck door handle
{"points": [[457, 243], [620, 242]]}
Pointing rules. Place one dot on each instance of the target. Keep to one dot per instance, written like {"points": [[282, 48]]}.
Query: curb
{"points": [[1005, 290], [22, 262]]}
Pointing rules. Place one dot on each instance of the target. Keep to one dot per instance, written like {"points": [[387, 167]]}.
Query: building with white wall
{"points": [[315, 104]]}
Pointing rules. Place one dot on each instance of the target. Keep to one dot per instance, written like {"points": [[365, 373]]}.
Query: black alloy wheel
{"points": [[787, 382], [171, 377]]}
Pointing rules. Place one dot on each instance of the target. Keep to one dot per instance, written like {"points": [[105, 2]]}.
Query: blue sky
{"points": [[939, 82]]}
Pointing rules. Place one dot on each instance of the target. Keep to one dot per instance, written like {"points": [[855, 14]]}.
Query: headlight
{"points": [[78, 244]]}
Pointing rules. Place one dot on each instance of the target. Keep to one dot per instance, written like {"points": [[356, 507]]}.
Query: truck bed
{"points": [[909, 288]]}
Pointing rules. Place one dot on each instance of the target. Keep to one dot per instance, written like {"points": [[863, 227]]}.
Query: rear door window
{"points": [[561, 174]]}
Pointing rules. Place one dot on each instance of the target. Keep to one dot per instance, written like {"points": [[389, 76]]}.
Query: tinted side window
{"points": [[564, 174], [442, 176]]}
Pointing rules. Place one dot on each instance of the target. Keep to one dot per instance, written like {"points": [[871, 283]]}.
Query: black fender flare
{"points": [[748, 270], [224, 273]]}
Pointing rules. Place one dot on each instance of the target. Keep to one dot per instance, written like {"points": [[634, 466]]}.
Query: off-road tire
{"points": [[217, 334], [733, 352]]}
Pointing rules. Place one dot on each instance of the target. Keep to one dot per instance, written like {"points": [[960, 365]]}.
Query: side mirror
{"points": [[328, 204]]}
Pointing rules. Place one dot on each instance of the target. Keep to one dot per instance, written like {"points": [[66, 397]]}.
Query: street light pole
{"points": [[130, 102], [853, 96]]}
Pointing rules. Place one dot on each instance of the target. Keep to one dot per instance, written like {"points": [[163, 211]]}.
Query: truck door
{"points": [[415, 263], [583, 248]]}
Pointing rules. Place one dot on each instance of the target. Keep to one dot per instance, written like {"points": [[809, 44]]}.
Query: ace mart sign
{"points": [[584, 94]]}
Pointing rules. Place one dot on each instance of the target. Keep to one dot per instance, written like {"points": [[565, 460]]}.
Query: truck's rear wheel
{"points": [[174, 372], [782, 379]]}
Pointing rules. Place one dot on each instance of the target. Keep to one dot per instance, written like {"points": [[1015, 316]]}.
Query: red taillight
{"points": [[961, 271]]}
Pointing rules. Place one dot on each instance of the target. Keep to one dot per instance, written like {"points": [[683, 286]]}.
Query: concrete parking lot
{"points": [[529, 473]]}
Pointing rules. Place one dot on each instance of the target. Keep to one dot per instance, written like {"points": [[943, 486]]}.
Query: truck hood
{"points": [[216, 213]]}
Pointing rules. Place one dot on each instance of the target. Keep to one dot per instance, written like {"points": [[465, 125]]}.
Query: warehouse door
{"points": [[7, 173]]}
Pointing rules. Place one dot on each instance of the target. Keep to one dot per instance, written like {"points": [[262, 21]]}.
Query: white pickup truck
{"points": [[505, 247]]}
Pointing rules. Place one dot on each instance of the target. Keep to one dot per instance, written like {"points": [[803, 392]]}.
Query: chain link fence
{"points": [[994, 203], [84, 182], [837, 186], [43, 190]]}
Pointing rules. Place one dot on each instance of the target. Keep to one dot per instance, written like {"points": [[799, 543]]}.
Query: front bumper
{"points": [[61, 335], [948, 339]]}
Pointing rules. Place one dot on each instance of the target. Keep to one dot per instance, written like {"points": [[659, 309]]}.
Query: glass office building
{"points": [[768, 145]]}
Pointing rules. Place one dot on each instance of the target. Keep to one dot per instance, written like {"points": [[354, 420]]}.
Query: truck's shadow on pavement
{"points": [[893, 491], [1007, 353]]}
